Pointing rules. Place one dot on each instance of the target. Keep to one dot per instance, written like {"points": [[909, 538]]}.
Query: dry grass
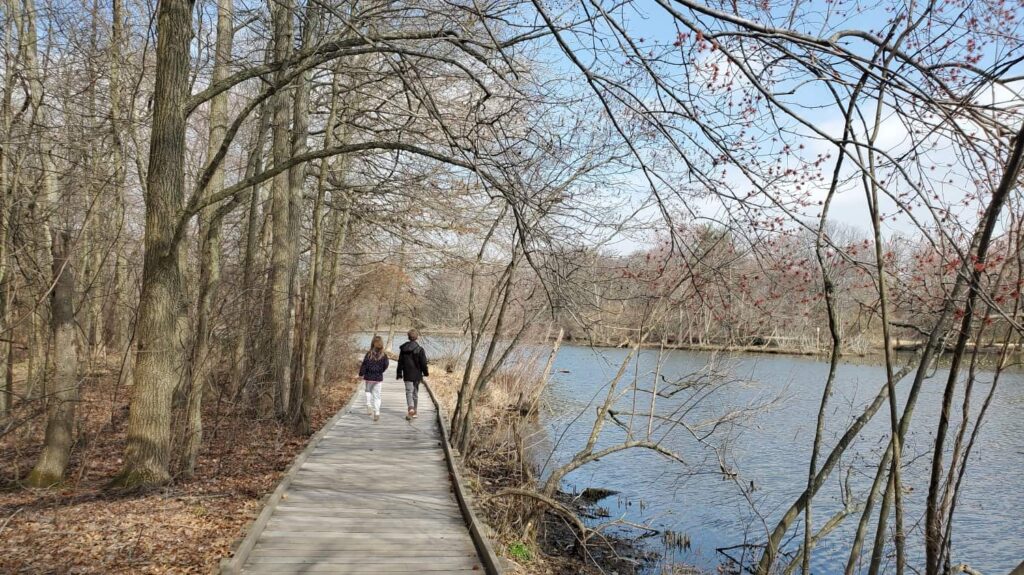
{"points": [[186, 527], [449, 354], [496, 463]]}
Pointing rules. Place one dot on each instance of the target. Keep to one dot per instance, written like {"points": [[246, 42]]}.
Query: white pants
{"points": [[373, 396]]}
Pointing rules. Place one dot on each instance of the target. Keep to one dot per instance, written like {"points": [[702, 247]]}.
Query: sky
{"points": [[648, 21]]}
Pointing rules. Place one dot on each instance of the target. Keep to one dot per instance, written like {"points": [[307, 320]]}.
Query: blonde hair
{"points": [[376, 348]]}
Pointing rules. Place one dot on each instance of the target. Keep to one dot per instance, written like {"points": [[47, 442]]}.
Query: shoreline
{"points": [[872, 354], [556, 549], [876, 352]]}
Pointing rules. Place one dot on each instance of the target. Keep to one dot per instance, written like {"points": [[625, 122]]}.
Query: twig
{"points": [[8, 520]]}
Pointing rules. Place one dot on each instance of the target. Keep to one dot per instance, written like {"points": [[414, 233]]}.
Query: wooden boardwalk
{"points": [[369, 497]]}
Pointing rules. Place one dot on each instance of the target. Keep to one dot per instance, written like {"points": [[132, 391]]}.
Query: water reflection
{"points": [[769, 450]]}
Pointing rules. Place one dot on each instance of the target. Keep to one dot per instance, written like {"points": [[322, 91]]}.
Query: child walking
{"points": [[375, 363], [412, 368]]}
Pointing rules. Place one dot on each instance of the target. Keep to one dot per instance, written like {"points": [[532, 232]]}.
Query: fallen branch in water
{"points": [[554, 504]]}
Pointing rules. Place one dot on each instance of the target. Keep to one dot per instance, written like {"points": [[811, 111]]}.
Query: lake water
{"points": [[771, 448]]}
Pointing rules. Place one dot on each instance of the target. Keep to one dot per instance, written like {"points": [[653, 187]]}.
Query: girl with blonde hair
{"points": [[375, 363]]}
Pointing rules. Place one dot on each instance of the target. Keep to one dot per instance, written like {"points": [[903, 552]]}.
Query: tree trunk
{"points": [[115, 335], [243, 351], [49, 469], [281, 255], [298, 326], [93, 255], [44, 198], [296, 180], [935, 517], [158, 350], [476, 329], [340, 225], [6, 211], [303, 421], [209, 248]]}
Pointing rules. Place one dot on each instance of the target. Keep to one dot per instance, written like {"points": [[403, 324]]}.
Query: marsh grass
{"points": [[504, 420]]}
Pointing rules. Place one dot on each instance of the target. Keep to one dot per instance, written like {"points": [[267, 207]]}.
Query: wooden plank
{"points": [[363, 560], [315, 494], [361, 510], [406, 489], [408, 539], [324, 531], [364, 524], [380, 506], [343, 527], [365, 569], [388, 423], [412, 464], [358, 510], [379, 461], [425, 497], [375, 466], [369, 497], [352, 548], [424, 476], [364, 450], [412, 536], [355, 480], [361, 445], [358, 549], [353, 504]]}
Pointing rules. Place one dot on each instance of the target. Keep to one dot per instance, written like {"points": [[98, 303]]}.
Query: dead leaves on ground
{"points": [[185, 528]]}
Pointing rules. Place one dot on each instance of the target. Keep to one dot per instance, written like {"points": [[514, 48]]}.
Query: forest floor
{"points": [[186, 527]]}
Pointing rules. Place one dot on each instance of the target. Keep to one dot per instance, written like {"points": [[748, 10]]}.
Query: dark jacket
{"points": [[412, 362], [373, 370]]}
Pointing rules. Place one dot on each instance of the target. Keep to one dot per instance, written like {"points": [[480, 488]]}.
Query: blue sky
{"points": [[646, 20]]}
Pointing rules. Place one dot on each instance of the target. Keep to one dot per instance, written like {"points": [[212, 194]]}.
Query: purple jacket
{"points": [[373, 370]]}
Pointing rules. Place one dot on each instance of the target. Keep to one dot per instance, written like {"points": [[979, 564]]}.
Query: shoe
{"points": [[410, 414], [369, 410], [414, 413], [376, 416]]}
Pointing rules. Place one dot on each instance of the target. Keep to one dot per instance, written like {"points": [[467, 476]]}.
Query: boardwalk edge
{"points": [[491, 561], [233, 565]]}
